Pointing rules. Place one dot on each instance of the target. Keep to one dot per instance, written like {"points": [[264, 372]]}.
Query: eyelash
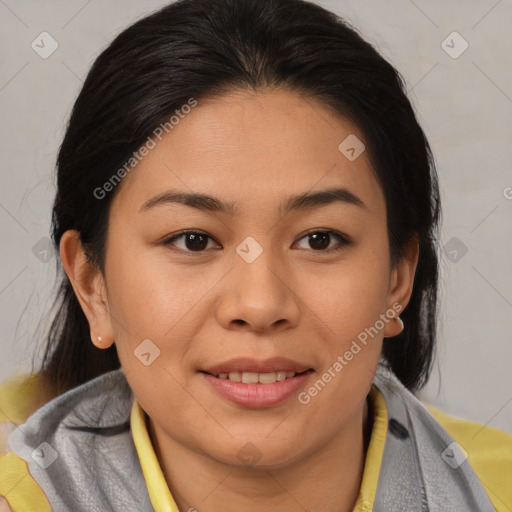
{"points": [[343, 240]]}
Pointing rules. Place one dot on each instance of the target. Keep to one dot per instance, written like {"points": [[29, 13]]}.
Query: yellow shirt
{"points": [[490, 454]]}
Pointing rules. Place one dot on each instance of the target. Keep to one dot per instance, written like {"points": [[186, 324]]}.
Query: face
{"points": [[258, 287]]}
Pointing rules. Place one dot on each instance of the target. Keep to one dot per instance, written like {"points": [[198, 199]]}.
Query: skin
{"points": [[203, 308]]}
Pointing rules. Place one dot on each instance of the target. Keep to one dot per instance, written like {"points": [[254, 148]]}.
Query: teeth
{"points": [[267, 378], [235, 376], [249, 378], [255, 378], [280, 376]]}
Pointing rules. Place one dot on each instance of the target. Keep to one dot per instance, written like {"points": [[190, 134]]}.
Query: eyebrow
{"points": [[297, 202]]}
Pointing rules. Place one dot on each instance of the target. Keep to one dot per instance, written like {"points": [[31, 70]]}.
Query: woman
{"points": [[247, 215]]}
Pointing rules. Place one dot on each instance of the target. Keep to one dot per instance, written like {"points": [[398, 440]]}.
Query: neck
{"points": [[328, 479]]}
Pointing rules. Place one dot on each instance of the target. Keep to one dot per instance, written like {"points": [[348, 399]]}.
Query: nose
{"points": [[259, 296]]}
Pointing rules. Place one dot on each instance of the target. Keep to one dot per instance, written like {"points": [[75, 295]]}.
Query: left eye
{"points": [[319, 241]]}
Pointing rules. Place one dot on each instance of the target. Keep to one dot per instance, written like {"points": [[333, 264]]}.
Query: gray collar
{"points": [[423, 469]]}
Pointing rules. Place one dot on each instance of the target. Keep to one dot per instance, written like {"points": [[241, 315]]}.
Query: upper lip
{"points": [[247, 364]]}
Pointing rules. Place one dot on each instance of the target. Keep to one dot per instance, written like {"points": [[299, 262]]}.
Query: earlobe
{"points": [[89, 287], [401, 285]]}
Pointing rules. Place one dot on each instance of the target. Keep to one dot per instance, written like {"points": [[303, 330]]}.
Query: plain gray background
{"points": [[464, 103]]}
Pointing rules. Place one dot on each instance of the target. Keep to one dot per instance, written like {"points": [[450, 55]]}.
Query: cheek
{"points": [[351, 295], [357, 297], [153, 331], [349, 306], [148, 300]]}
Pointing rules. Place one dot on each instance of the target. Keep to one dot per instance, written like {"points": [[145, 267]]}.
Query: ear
{"points": [[89, 286], [401, 285]]}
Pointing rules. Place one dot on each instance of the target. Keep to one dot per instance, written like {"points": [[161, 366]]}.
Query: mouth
{"points": [[257, 384]]}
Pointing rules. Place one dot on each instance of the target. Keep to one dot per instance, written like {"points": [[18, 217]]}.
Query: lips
{"points": [[257, 384]]}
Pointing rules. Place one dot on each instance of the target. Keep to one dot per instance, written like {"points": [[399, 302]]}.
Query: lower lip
{"points": [[257, 396]]}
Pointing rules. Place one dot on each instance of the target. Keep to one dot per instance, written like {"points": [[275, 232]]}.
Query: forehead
{"points": [[254, 148]]}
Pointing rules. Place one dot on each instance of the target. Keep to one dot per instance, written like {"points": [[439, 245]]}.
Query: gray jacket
{"points": [[80, 451]]}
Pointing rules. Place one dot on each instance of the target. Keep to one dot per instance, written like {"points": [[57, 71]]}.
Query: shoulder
{"points": [[19, 397], [454, 459], [488, 451], [53, 443]]}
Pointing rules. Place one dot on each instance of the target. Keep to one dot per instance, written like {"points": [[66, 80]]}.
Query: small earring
{"points": [[401, 322], [100, 338]]}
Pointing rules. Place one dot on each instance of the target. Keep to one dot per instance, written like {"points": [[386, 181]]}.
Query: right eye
{"points": [[193, 241]]}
